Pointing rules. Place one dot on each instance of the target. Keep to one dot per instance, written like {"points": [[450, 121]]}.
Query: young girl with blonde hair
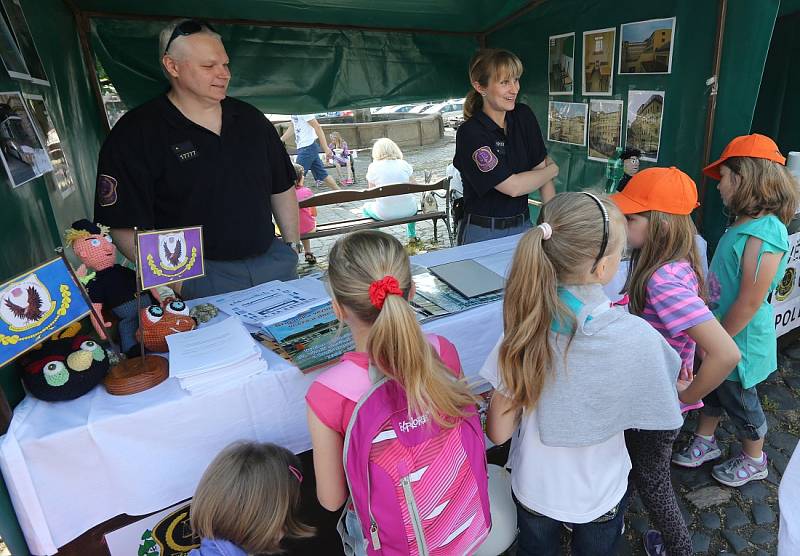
{"points": [[370, 283], [571, 374], [247, 501], [748, 263], [666, 288], [340, 157]]}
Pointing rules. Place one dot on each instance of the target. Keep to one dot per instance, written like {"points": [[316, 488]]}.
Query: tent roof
{"points": [[448, 16]]}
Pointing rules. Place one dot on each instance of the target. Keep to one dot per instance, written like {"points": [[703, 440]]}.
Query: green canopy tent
{"points": [[289, 56]]}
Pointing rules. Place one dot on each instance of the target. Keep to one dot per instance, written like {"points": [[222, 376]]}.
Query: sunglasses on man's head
{"points": [[188, 27]]}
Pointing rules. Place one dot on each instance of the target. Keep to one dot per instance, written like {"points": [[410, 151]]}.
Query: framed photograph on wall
{"points": [[605, 128], [645, 47], [645, 113], [62, 177], [23, 154], [566, 122], [598, 61], [19, 26], [561, 64], [10, 54]]}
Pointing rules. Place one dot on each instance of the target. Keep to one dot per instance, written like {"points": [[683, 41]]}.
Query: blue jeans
{"points": [[308, 158], [470, 233], [541, 536], [742, 406]]}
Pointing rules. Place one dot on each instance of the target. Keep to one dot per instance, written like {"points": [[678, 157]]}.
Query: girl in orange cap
{"points": [[666, 288], [749, 262]]}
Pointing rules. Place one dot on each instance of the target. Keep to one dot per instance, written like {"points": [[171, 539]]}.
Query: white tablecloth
{"points": [[72, 465]]}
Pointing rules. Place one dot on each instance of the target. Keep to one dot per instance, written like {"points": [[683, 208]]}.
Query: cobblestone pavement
{"points": [[720, 519]]}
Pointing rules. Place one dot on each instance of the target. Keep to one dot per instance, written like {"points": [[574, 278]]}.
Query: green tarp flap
{"points": [[778, 110], [747, 36], [287, 71], [469, 16]]}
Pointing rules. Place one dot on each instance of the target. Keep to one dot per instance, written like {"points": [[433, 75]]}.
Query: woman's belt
{"points": [[496, 222]]}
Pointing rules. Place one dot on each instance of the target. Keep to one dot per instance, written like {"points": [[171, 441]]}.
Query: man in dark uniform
{"points": [[196, 157]]}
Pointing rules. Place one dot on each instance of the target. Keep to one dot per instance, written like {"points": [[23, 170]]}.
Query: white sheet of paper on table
{"points": [[267, 303]]}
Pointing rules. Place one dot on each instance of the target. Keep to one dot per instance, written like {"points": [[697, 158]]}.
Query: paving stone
{"points": [[783, 441], [779, 394], [792, 381], [762, 553], [688, 518], [636, 506], [700, 543], [710, 520], [763, 514], [738, 544], [708, 497], [762, 537], [780, 461], [755, 491], [735, 518]]}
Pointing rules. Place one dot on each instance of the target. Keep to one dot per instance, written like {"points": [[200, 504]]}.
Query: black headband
{"points": [[604, 244]]}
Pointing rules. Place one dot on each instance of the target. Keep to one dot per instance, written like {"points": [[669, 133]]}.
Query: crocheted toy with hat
{"points": [[64, 367], [113, 286]]}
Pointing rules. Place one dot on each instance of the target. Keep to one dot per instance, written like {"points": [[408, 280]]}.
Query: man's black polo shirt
{"points": [[158, 170], [486, 156]]}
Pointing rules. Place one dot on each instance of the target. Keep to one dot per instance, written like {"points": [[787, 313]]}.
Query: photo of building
{"points": [[645, 111], [561, 62], [566, 122], [646, 46], [605, 128], [598, 61]]}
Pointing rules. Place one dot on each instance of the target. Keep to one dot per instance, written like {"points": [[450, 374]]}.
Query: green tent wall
{"points": [[330, 54]]}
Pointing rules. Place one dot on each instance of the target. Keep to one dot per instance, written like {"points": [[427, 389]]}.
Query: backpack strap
{"points": [[349, 380]]}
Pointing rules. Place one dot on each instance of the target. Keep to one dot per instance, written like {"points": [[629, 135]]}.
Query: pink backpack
{"points": [[418, 489]]}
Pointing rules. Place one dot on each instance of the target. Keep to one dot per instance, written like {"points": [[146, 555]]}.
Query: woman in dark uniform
{"points": [[500, 151]]}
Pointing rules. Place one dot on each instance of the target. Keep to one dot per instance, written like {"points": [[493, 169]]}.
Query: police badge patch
{"points": [[106, 190], [485, 159]]}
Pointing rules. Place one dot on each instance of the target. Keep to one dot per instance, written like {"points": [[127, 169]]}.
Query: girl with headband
{"points": [[571, 374]]}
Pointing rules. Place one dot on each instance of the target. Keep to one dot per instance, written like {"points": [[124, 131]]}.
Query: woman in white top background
{"points": [[387, 168]]}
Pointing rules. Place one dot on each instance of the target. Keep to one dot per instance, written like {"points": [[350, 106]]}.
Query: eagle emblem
{"points": [[172, 250], [25, 304]]}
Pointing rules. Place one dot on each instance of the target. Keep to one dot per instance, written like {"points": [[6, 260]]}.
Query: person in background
{"points": [[247, 501], [630, 165], [387, 168], [340, 158], [308, 138], [500, 151], [307, 220], [177, 160]]}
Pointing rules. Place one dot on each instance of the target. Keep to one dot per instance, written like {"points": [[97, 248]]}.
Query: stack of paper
{"points": [[214, 356]]}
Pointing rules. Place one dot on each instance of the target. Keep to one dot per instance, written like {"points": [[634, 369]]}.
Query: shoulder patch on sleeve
{"points": [[485, 159], [106, 190]]}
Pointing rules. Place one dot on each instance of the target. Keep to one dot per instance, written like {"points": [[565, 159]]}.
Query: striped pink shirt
{"points": [[672, 305]]}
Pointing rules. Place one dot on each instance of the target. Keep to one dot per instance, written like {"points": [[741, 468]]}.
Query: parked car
{"points": [[420, 108]]}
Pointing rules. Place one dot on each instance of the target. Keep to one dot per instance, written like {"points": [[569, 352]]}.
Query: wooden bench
{"points": [[364, 223]]}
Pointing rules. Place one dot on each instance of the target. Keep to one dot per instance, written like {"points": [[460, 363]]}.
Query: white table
{"points": [[72, 465]]}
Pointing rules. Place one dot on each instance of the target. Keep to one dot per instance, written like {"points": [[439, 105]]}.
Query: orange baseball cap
{"points": [[754, 146], [663, 189]]}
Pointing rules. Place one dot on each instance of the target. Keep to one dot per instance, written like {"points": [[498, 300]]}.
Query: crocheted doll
{"points": [[159, 321], [113, 286], [64, 367]]}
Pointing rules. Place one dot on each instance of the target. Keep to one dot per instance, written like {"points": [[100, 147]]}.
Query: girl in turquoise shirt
{"points": [[749, 262]]}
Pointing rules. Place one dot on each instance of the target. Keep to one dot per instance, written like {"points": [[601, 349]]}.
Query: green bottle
{"points": [[615, 170]]}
